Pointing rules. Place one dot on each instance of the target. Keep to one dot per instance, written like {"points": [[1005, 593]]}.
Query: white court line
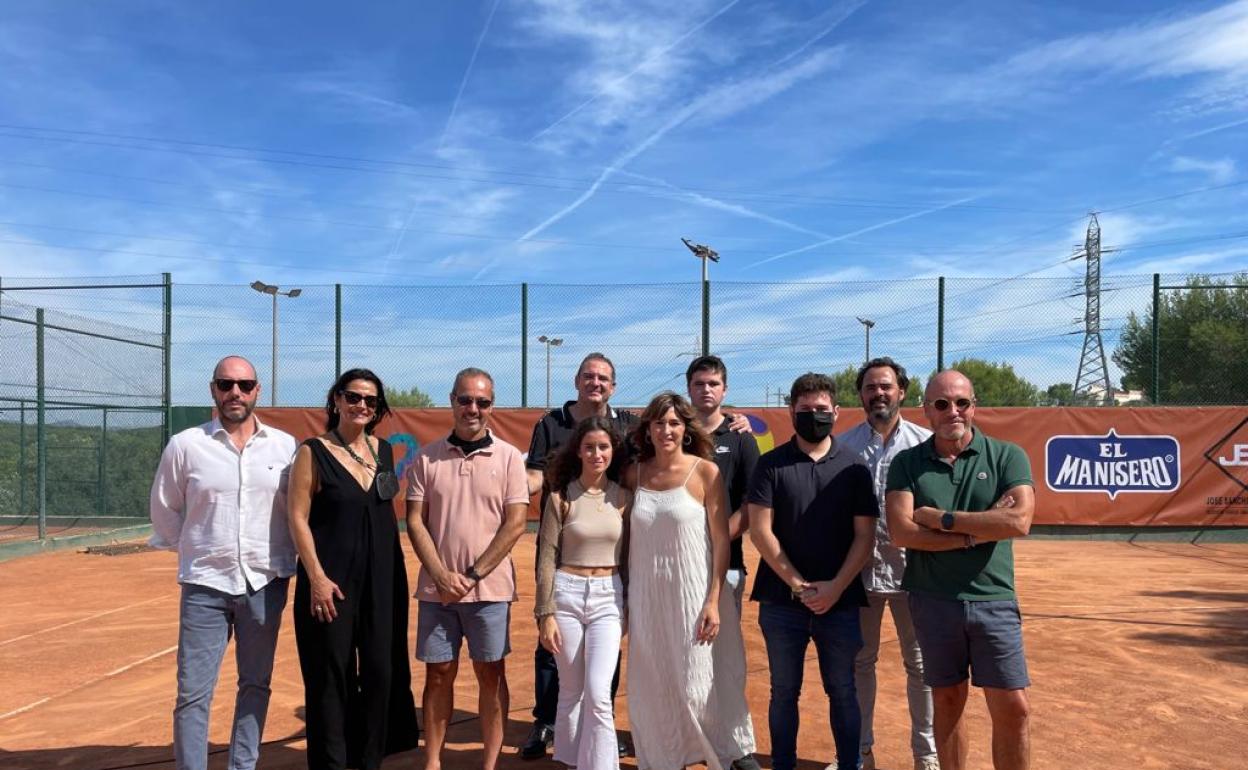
{"points": [[81, 620], [98, 679]]}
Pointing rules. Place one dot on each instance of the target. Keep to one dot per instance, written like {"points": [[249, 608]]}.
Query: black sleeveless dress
{"points": [[356, 676]]}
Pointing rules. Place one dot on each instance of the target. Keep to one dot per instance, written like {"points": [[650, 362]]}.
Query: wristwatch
{"points": [[947, 520], [472, 574]]}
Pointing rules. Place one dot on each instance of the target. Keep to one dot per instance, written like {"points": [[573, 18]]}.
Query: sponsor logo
{"points": [[1112, 464], [722, 450], [1230, 454]]}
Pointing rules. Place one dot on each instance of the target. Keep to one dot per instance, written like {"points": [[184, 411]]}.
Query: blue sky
{"points": [[563, 142]]}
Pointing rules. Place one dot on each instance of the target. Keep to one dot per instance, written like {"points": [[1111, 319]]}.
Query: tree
{"points": [[1203, 343], [846, 393], [413, 399], [1061, 394], [997, 384], [847, 389]]}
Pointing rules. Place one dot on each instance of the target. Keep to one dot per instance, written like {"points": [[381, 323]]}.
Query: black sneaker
{"points": [[622, 746], [748, 762], [540, 738]]}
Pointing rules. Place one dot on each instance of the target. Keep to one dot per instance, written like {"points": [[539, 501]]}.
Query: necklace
{"points": [[599, 496], [355, 456]]}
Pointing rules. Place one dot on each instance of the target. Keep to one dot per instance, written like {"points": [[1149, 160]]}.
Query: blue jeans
{"points": [[787, 630], [207, 620]]}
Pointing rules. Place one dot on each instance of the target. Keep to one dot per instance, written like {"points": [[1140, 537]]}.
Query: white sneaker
{"points": [[867, 762], [926, 763]]}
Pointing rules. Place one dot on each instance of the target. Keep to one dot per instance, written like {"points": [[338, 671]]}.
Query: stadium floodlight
{"points": [[549, 342], [273, 291], [867, 324]]}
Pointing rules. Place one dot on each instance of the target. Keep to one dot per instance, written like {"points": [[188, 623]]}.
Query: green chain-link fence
{"points": [[106, 389], [1025, 336], [83, 401]]}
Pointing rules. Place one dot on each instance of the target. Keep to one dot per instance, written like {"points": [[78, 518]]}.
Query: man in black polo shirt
{"points": [[736, 454], [595, 384], [812, 518]]}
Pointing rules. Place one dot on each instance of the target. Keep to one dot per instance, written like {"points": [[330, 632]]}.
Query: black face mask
{"points": [[813, 427]]}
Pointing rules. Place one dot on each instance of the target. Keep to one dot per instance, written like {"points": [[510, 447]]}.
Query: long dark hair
{"points": [[565, 463], [340, 384], [697, 443]]}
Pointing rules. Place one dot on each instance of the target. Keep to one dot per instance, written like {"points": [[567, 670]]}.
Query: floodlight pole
{"points": [[550, 342], [273, 291], [704, 253], [867, 323]]}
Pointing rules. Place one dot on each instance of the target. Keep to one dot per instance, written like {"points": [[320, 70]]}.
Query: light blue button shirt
{"points": [[883, 573]]}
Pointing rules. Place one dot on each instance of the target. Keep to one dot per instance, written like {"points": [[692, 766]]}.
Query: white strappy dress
{"points": [[685, 705]]}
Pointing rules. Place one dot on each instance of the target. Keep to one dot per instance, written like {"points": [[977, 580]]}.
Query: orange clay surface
{"points": [[1138, 656]]}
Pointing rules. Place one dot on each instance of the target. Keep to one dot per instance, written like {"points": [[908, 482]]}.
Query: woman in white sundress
{"points": [[681, 709]]}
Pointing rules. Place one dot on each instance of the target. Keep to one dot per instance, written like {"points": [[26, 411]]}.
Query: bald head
{"points": [[950, 380], [234, 366], [949, 405]]}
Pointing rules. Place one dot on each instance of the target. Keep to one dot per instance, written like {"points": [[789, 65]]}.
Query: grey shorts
{"points": [[441, 627], [986, 636]]}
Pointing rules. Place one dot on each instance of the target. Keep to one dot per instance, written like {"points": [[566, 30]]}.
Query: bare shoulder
{"points": [[708, 471]]}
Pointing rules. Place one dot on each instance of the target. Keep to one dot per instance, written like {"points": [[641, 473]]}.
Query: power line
{"points": [[579, 182]]}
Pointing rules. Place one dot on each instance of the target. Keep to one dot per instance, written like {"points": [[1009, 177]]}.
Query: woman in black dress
{"points": [[351, 590]]}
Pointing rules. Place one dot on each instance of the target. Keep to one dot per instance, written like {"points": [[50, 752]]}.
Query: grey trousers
{"points": [[918, 695], [207, 620]]}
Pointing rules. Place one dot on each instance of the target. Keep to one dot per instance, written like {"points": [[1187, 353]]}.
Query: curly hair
{"points": [[564, 465], [696, 442]]}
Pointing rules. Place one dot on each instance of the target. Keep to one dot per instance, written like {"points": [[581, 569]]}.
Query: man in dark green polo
{"points": [[955, 502]]}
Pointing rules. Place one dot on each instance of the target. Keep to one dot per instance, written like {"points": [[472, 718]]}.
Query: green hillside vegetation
{"points": [[74, 472]]}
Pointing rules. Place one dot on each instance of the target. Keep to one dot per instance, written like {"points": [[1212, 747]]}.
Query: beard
{"points": [[953, 432], [883, 411], [248, 408]]}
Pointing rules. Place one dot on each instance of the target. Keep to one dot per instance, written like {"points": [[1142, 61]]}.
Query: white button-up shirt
{"points": [[883, 573], [222, 510]]}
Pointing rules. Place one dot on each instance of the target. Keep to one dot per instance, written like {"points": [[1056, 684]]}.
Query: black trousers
{"points": [[546, 685], [347, 666]]}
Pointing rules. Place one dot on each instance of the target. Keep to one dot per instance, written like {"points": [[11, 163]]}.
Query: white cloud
{"points": [[1219, 171]]}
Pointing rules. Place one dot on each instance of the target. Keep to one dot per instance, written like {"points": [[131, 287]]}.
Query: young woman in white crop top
{"points": [[580, 590]]}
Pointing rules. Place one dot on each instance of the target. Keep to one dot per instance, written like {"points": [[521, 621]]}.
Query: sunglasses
{"points": [[482, 403], [943, 404], [225, 386], [353, 398]]}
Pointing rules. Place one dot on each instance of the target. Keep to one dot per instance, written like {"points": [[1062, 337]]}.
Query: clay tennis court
{"points": [[1138, 654]]}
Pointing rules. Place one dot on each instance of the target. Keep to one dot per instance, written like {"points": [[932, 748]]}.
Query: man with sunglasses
{"points": [[956, 502], [882, 384], [467, 502], [219, 500]]}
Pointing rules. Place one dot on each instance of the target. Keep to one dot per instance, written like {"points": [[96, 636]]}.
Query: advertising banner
{"points": [[1091, 466]]}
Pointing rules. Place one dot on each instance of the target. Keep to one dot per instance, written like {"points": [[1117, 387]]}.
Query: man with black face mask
{"points": [[812, 517]]}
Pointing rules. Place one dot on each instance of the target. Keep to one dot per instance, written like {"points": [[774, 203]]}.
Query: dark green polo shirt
{"points": [[976, 480]]}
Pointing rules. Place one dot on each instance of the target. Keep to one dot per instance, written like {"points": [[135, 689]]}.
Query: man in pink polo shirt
{"points": [[467, 499]]}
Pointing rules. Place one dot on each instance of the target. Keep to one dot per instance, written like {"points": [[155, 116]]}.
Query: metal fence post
{"points": [[940, 324], [1156, 378], [524, 344], [101, 479], [337, 330], [706, 317], [41, 443], [166, 356], [21, 459]]}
